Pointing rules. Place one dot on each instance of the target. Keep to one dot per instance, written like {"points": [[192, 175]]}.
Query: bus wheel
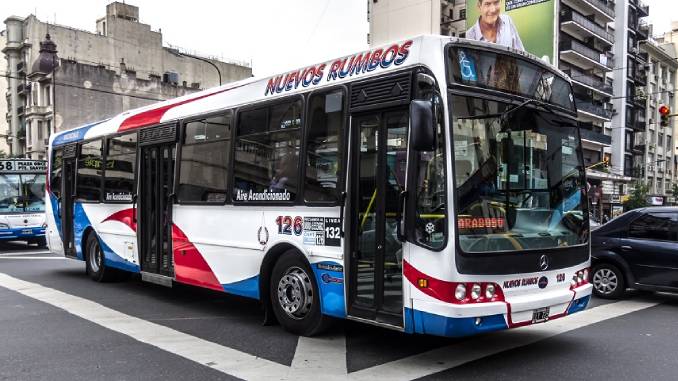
{"points": [[295, 297], [94, 261], [41, 242]]}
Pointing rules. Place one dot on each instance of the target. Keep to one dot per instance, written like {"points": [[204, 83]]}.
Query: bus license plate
{"points": [[541, 315], [27, 231]]}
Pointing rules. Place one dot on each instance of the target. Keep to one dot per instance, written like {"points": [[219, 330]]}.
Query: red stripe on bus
{"points": [[125, 216], [439, 289], [189, 265], [150, 117]]}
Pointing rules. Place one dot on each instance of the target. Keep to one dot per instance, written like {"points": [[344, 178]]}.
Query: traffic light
{"points": [[664, 112]]}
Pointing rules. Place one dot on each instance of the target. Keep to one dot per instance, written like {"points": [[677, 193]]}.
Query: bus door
{"points": [[157, 147], [67, 197], [379, 160]]}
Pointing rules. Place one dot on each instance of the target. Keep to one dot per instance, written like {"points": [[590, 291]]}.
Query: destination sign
{"points": [[28, 166]]}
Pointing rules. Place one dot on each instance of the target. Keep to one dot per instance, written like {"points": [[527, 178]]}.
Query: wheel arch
{"points": [[614, 259], [270, 259]]}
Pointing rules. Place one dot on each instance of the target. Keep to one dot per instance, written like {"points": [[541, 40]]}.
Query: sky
{"points": [[274, 36]]}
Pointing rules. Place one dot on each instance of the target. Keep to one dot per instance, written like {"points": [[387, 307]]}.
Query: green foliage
{"points": [[637, 198]]}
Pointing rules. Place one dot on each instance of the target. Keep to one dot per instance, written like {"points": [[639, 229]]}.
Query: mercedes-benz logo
{"points": [[543, 262]]}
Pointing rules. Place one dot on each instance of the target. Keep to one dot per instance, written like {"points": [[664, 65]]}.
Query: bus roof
{"points": [[365, 64]]}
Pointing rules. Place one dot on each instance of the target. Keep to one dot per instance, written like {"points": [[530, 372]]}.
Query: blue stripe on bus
{"points": [[74, 135], [21, 233], [111, 259], [247, 287], [80, 224], [432, 324], [331, 285], [54, 203], [579, 305]]}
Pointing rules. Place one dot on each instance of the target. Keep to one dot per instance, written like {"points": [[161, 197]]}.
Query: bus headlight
{"points": [[581, 276], [489, 291], [460, 292], [475, 291]]}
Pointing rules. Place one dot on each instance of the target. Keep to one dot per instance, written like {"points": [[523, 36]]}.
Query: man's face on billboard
{"points": [[489, 11]]}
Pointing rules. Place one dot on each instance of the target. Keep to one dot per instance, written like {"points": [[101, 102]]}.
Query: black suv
{"points": [[638, 249]]}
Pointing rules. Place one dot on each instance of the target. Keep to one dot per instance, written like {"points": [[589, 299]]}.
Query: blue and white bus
{"points": [[432, 185], [22, 200]]}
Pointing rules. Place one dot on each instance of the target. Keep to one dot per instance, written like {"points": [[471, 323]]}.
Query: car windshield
{"points": [[518, 183], [22, 193]]}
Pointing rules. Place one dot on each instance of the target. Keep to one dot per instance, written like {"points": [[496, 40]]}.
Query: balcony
{"points": [[38, 110], [579, 26], [21, 68], [639, 76], [22, 89], [593, 110], [642, 56], [640, 123], [639, 140], [595, 137], [643, 10], [584, 57], [602, 10], [590, 82]]}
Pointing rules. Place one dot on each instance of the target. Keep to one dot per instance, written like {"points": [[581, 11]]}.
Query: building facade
{"points": [[658, 142], [598, 44], [92, 76]]}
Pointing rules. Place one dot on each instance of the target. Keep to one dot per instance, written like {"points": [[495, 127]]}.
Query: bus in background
{"points": [[22, 201], [434, 185]]}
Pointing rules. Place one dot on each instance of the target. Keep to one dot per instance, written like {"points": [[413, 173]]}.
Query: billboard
{"points": [[527, 25]]}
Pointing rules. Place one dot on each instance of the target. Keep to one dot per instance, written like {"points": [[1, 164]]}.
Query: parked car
{"points": [[639, 250]]}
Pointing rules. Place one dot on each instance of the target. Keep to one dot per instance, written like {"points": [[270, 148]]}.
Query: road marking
{"points": [[323, 357], [215, 356], [25, 257], [454, 355], [319, 357], [19, 253]]}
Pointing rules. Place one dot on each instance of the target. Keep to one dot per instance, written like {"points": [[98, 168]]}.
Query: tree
{"points": [[637, 198]]}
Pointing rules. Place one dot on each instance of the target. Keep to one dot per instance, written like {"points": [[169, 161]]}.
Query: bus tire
{"points": [[41, 242], [94, 260], [295, 296]]}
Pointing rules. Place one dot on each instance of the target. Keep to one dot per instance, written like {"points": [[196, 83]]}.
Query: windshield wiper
{"points": [[505, 114]]}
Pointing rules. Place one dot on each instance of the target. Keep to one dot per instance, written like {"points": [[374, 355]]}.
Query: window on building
{"points": [[90, 171], [205, 156], [660, 140], [48, 125], [29, 126], [47, 96], [266, 166], [323, 146], [40, 132], [462, 14], [120, 169]]}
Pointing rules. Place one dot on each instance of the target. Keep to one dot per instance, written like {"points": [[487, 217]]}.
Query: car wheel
{"points": [[608, 281], [295, 296], [94, 261]]}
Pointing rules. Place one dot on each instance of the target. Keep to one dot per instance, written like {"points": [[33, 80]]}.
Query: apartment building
{"points": [[60, 77]]}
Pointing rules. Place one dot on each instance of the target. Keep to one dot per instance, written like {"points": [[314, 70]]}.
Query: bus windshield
{"points": [[22, 193], [519, 184]]}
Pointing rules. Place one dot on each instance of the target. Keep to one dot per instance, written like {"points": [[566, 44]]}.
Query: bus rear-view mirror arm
{"points": [[422, 126]]}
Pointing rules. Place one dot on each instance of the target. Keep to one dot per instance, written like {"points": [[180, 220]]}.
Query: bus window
{"points": [[205, 153], [88, 181], [55, 174], [267, 154], [323, 146], [120, 165], [33, 192], [9, 194]]}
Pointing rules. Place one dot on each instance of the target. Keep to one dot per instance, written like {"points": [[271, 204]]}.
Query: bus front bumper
{"points": [[21, 233], [454, 320]]}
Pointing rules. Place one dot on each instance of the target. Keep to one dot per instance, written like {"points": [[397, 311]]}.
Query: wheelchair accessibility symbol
{"points": [[467, 67]]}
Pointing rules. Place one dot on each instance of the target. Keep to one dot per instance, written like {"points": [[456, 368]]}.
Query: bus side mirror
{"points": [[422, 126]]}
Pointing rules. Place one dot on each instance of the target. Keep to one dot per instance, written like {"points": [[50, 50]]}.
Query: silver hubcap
{"points": [[605, 281], [295, 293], [94, 257]]}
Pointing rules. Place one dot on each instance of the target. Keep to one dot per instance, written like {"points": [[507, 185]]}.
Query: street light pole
{"points": [[205, 60]]}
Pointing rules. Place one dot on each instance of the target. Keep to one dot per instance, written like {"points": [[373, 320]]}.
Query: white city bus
{"points": [[433, 185], [22, 200]]}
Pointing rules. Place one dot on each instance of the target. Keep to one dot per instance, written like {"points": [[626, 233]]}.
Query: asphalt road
{"points": [[57, 324]]}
